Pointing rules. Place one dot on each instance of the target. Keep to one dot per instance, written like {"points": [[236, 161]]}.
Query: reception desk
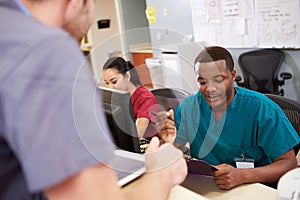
{"points": [[202, 187]]}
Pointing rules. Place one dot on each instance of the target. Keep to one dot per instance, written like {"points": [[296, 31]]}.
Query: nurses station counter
{"points": [[204, 187], [199, 187]]}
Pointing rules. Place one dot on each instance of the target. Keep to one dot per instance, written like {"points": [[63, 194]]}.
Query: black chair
{"points": [[260, 70], [291, 109], [169, 98]]}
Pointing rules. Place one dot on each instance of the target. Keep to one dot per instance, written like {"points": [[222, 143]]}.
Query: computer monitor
{"points": [[119, 115]]}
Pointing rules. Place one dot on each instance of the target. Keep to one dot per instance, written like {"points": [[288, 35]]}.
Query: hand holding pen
{"points": [[164, 116], [165, 125]]}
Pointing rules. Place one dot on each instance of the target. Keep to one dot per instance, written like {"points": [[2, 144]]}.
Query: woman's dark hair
{"points": [[215, 53], [122, 67], [135, 79]]}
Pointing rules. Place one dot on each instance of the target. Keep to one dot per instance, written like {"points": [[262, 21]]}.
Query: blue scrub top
{"points": [[252, 126]]}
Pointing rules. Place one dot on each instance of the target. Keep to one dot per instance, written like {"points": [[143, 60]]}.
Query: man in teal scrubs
{"points": [[233, 127]]}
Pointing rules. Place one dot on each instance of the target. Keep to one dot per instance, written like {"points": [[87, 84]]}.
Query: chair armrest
{"points": [[238, 80], [286, 75]]}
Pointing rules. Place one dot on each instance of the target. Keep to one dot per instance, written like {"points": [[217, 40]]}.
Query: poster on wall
{"points": [[278, 23], [247, 23]]}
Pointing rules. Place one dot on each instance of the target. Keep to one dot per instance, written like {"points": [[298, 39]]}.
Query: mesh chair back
{"points": [[260, 69], [169, 98], [292, 111]]}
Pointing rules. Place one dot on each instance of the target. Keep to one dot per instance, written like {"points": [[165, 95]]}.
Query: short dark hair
{"points": [[215, 53]]}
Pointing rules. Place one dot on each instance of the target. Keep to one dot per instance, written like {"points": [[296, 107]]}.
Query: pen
{"points": [[155, 114]]}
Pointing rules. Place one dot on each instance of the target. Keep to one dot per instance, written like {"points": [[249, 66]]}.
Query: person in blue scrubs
{"points": [[54, 139], [245, 134]]}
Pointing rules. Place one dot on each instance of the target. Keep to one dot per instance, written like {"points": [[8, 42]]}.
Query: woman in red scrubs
{"points": [[121, 75]]}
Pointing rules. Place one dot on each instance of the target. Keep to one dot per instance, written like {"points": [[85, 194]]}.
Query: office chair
{"points": [[260, 70], [169, 98], [291, 109]]}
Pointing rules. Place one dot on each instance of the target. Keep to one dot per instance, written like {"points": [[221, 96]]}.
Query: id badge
{"points": [[243, 163]]}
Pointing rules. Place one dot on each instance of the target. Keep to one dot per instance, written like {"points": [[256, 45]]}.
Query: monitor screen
{"points": [[119, 114]]}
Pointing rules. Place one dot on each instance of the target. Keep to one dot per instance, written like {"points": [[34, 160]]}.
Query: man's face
{"points": [[79, 18], [216, 84]]}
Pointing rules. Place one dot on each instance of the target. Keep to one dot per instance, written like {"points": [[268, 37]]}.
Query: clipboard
{"points": [[200, 167]]}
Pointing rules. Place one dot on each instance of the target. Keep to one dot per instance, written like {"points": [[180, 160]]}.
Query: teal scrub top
{"points": [[253, 126]]}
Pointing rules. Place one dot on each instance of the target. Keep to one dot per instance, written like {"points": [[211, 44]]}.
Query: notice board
{"points": [[247, 23]]}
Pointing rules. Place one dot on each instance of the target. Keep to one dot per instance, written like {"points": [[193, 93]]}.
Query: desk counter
{"points": [[206, 187], [182, 193]]}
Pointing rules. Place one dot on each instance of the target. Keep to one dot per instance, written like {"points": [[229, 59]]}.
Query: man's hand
{"points": [[227, 177], [166, 161], [165, 126]]}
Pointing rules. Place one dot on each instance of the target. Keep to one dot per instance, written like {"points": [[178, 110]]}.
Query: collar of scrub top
{"points": [[22, 7]]}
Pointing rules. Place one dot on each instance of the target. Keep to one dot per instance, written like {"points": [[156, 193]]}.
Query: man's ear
{"points": [[71, 15], [69, 8], [233, 74]]}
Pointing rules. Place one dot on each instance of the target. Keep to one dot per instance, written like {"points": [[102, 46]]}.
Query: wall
{"points": [[134, 26], [104, 40], [128, 30], [173, 26], [176, 27], [173, 23]]}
